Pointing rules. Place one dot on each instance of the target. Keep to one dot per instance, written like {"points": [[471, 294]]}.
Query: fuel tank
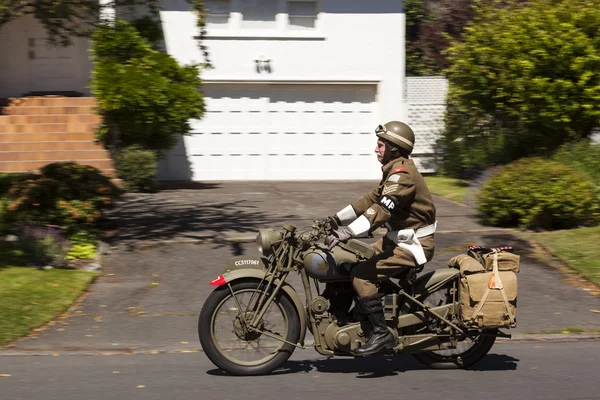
{"points": [[329, 266]]}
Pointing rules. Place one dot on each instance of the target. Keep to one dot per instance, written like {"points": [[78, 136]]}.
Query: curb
{"points": [[517, 338]]}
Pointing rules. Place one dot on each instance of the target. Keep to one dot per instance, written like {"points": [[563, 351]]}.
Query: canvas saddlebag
{"points": [[488, 297]]}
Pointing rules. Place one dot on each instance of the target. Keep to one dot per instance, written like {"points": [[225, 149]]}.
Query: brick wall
{"points": [[35, 131]]}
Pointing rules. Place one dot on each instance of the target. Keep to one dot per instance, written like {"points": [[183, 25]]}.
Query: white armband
{"points": [[360, 225], [347, 215]]}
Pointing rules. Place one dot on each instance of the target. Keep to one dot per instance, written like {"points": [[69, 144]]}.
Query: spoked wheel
{"points": [[466, 353], [230, 343]]}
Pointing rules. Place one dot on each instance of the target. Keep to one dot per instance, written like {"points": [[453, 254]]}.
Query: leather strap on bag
{"points": [[493, 283]]}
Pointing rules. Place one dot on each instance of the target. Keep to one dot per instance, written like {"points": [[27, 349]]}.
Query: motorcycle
{"points": [[254, 319]]}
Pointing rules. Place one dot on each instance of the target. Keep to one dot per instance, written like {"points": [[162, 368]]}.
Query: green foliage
{"points": [[584, 156], [66, 19], [64, 194], [538, 193], [144, 95], [525, 80], [44, 246], [137, 167], [198, 6], [84, 245]]}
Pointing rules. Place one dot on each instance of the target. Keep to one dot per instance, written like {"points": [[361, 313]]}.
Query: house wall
{"points": [[312, 112], [28, 63], [353, 42]]}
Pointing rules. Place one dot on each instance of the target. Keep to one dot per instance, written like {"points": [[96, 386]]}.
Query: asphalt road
{"points": [[528, 370], [124, 311]]}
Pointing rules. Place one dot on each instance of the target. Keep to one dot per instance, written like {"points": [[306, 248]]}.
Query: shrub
{"points": [[64, 194], [44, 245], [524, 80], [84, 245], [584, 156], [538, 193], [144, 95], [137, 167]]}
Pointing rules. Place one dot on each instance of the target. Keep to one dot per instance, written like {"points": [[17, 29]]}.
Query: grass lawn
{"points": [[577, 247], [450, 188], [31, 297]]}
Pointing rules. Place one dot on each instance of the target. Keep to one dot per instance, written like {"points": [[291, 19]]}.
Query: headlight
{"points": [[266, 241]]}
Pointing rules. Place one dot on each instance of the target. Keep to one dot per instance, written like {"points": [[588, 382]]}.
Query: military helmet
{"points": [[398, 133]]}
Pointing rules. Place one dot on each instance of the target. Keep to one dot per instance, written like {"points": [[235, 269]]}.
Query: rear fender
{"points": [[257, 273]]}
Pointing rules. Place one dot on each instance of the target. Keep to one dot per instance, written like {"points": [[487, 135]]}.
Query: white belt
{"points": [[409, 240]]}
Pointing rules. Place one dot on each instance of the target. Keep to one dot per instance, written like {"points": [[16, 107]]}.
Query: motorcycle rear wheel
{"points": [[467, 352], [232, 347]]}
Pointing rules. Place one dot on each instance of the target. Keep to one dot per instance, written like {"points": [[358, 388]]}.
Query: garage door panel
{"points": [[260, 131]]}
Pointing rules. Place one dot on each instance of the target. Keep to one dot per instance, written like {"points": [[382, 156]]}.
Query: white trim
{"points": [[216, 34], [360, 225], [292, 80]]}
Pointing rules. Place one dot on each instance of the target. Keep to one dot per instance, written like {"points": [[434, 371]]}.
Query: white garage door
{"points": [[281, 132]]}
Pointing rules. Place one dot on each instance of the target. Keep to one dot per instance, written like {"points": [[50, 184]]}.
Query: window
{"points": [[259, 14], [302, 14], [217, 11]]}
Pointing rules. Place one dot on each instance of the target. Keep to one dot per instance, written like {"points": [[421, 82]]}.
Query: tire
{"points": [[228, 358], [460, 357]]}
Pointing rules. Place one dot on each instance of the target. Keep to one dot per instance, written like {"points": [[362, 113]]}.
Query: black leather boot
{"points": [[380, 338], [340, 300]]}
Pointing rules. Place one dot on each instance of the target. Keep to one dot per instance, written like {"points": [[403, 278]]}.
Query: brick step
{"points": [[50, 119], [52, 101], [47, 110], [48, 128], [51, 155], [105, 166], [51, 146], [45, 137]]}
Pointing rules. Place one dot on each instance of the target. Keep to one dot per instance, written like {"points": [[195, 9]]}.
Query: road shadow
{"points": [[186, 185], [378, 366], [157, 218]]}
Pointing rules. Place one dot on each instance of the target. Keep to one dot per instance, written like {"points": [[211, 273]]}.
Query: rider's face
{"points": [[380, 151]]}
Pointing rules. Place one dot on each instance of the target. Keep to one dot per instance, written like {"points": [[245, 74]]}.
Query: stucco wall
{"points": [[353, 41], [17, 71]]}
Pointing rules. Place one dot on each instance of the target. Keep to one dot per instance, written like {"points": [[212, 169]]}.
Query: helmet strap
{"points": [[392, 152]]}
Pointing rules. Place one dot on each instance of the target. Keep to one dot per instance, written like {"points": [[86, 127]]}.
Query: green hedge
{"points": [[137, 167], [63, 194], [584, 156], [538, 193]]}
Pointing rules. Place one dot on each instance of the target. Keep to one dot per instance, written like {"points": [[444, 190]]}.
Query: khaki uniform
{"points": [[401, 201]]}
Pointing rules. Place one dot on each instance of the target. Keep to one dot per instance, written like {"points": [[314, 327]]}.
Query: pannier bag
{"points": [[488, 287]]}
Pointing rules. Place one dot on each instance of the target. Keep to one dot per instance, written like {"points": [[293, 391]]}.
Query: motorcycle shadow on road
{"points": [[378, 366]]}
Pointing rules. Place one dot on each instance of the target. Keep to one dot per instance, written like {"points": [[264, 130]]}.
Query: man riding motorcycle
{"points": [[403, 203]]}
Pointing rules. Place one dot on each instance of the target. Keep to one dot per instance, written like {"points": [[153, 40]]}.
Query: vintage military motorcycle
{"points": [[252, 322]]}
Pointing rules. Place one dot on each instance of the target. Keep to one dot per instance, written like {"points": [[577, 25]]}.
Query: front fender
{"points": [[257, 273]]}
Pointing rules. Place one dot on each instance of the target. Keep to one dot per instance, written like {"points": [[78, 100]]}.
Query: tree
{"points": [[144, 95], [431, 26], [524, 80], [66, 19]]}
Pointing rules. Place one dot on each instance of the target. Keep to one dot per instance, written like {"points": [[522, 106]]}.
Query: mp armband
{"points": [[387, 202]]}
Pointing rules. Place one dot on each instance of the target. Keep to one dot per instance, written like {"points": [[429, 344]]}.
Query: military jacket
{"points": [[401, 200]]}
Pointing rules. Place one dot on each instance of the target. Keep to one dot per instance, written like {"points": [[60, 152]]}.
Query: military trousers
{"points": [[389, 261]]}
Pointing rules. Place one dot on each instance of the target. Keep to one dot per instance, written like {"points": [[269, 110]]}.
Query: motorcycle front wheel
{"points": [[467, 352], [231, 345]]}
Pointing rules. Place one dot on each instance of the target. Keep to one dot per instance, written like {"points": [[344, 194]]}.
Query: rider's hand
{"points": [[343, 234]]}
